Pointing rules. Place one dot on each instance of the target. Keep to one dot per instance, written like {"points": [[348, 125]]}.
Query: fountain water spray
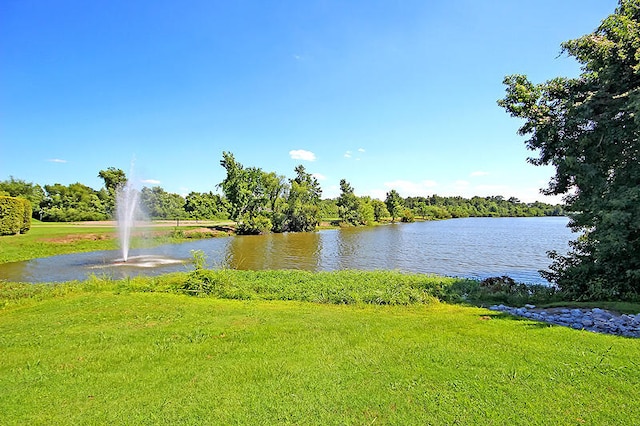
{"points": [[127, 198]]}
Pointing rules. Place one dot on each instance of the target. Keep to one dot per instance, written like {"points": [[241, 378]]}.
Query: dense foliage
{"points": [[437, 207], [75, 202], [587, 127]]}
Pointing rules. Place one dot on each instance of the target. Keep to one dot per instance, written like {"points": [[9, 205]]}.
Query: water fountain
{"points": [[127, 207], [127, 214]]}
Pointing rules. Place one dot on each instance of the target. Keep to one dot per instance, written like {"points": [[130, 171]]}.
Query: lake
{"points": [[470, 247]]}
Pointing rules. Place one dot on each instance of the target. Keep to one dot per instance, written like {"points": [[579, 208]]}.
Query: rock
{"points": [[595, 320], [602, 314], [566, 319], [627, 319]]}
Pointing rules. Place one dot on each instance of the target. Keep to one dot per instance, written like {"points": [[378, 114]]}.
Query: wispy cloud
{"points": [[302, 154], [151, 181], [56, 160], [479, 173], [349, 153]]}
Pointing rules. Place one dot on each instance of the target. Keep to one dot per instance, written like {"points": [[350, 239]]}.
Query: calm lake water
{"points": [[472, 247]]}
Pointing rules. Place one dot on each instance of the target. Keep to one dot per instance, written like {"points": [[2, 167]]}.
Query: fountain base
{"points": [[144, 261]]}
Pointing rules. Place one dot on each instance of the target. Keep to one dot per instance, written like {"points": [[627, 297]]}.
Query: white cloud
{"points": [[361, 150], [479, 173], [412, 189], [56, 160], [319, 176], [151, 181], [301, 154], [347, 154]]}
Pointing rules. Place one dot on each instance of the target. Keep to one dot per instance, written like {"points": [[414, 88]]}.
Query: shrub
{"points": [[254, 225], [506, 290], [26, 215], [15, 215], [407, 216]]}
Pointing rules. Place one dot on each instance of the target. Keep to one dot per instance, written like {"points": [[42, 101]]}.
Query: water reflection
{"points": [[474, 247], [275, 251]]}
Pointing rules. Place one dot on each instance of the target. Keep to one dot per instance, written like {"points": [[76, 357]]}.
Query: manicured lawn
{"points": [[45, 239], [111, 356]]}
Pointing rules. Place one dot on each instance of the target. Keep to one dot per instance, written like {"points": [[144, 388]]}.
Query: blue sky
{"points": [[385, 94]]}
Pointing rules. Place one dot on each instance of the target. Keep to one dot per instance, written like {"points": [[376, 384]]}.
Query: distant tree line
{"points": [[79, 202], [260, 201]]}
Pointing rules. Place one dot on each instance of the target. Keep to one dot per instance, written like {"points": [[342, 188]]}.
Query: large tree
{"points": [[394, 203], [244, 189], [588, 128], [303, 211], [114, 179], [348, 204]]}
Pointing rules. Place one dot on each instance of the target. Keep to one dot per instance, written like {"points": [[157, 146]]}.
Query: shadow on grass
{"points": [[528, 322]]}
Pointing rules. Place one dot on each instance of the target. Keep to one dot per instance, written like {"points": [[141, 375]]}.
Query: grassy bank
{"points": [[338, 287], [103, 352]]}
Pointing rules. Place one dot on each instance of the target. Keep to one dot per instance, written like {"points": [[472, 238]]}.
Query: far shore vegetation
{"points": [[78, 202]]}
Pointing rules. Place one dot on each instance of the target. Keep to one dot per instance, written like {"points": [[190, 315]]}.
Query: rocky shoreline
{"points": [[596, 319]]}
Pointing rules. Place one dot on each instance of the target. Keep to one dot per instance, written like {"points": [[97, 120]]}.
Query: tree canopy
{"points": [[587, 127]]}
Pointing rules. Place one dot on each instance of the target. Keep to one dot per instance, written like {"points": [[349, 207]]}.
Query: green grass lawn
{"points": [[49, 239], [101, 354]]}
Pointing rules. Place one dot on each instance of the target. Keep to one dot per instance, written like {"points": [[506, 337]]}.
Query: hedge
{"points": [[15, 215]]}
